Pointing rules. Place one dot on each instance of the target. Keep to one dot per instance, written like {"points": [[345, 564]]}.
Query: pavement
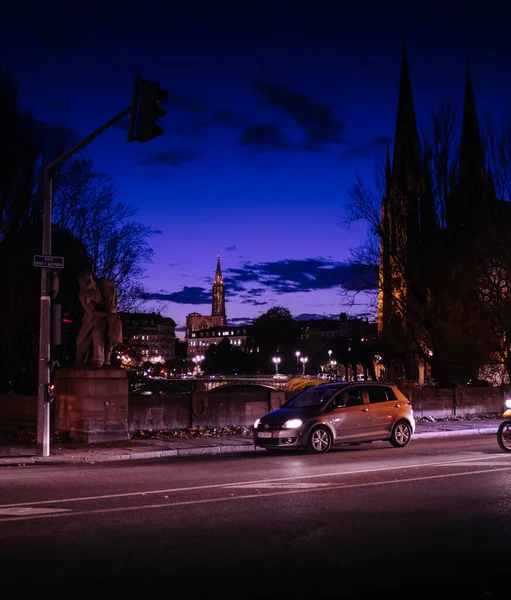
{"points": [[16, 454]]}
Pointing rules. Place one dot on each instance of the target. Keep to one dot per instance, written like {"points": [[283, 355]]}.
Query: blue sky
{"points": [[273, 111]]}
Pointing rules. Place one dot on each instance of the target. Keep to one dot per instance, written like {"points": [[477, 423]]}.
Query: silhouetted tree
{"points": [[447, 319], [91, 228], [276, 333]]}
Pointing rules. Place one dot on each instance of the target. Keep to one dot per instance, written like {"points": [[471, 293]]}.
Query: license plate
{"points": [[264, 434]]}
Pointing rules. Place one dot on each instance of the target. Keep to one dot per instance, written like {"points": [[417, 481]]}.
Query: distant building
{"points": [[317, 332], [216, 321], [201, 339], [148, 337]]}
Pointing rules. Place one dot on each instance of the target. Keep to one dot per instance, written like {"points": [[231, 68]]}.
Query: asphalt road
{"points": [[431, 518]]}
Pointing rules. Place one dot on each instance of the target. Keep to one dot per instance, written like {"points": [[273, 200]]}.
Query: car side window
{"points": [[377, 394], [391, 394], [351, 397]]}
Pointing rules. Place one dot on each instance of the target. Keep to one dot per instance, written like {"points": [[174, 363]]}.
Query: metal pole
{"points": [[52, 167], [43, 408]]}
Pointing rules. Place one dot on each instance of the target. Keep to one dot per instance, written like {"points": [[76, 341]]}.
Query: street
{"points": [[433, 516]]}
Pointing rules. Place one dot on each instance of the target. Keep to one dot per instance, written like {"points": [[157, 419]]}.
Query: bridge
{"points": [[210, 382]]}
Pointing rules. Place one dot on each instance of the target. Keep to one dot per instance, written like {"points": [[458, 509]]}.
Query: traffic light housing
{"points": [[49, 396], [146, 110]]}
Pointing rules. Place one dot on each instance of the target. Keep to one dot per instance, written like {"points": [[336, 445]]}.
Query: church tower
{"points": [[218, 296], [471, 184], [399, 250]]}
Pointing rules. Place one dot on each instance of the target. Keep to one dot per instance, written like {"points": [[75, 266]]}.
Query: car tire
{"points": [[320, 440], [401, 434]]}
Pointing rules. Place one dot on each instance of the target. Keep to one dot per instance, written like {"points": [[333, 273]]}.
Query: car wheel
{"points": [[320, 440], [401, 434]]}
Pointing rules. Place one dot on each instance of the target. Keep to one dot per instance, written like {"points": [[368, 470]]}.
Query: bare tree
{"points": [[440, 317], [86, 204], [88, 219]]}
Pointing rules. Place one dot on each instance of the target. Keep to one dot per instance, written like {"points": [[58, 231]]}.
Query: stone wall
{"points": [[218, 408], [449, 402], [241, 406]]}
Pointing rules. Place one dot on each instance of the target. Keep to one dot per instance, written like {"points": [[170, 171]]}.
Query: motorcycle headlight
{"points": [[292, 424]]}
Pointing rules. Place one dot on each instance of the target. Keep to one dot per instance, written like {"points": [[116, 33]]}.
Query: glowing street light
{"points": [[297, 354], [333, 365], [198, 360], [303, 360], [276, 361]]}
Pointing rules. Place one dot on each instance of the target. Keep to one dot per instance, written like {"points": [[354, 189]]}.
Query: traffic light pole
{"points": [[43, 407]]}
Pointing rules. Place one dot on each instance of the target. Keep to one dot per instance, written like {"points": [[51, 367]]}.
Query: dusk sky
{"points": [[273, 111]]}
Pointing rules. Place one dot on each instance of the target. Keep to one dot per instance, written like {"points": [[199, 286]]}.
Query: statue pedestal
{"points": [[91, 405]]}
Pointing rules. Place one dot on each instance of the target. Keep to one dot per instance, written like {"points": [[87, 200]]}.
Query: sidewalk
{"points": [[19, 454]]}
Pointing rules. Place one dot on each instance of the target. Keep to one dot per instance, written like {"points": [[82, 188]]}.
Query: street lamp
{"points": [[333, 365], [198, 360], [303, 360], [276, 361], [297, 354]]}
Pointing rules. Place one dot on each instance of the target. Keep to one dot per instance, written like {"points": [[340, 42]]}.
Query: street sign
{"points": [[49, 262]]}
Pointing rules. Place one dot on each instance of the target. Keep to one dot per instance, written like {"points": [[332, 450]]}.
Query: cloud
{"points": [[316, 120], [370, 149], [265, 137], [307, 275], [157, 232], [186, 102], [241, 321], [188, 295], [228, 118], [281, 277], [172, 158], [231, 248]]}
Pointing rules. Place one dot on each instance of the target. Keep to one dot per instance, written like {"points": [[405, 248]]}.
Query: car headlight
{"points": [[256, 424], [508, 403], [292, 424]]}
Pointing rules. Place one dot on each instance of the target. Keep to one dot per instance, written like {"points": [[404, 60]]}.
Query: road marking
{"points": [[282, 492], [22, 511], [195, 488], [478, 463], [280, 485]]}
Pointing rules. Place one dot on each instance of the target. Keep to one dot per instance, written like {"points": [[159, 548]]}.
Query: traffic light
{"points": [[145, 110], [49, 396]]}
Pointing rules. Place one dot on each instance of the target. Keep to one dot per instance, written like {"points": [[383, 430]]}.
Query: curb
{"points": [[456, 433], [207, 450]]}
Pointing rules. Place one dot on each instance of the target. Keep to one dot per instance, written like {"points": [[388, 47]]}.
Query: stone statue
{"points": [[101, 327]]}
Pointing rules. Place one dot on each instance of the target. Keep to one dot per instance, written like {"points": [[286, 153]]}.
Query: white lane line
{"points": [[479, 463], [223, 485], [22, 511], [280, 485], [248, 496]]}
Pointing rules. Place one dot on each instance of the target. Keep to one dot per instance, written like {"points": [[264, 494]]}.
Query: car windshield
{"points": [[313, 397]]}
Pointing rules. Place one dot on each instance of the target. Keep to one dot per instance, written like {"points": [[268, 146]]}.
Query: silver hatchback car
{"points": [[345, 413]]}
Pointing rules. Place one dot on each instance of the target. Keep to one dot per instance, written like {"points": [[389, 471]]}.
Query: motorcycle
{"points": [[504, 432]]}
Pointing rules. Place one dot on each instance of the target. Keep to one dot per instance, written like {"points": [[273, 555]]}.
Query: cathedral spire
{"points": [[471, 171], [218, 301], [406, 161]]}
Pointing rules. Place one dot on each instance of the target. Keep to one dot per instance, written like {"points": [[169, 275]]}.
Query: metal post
{"points": [[43, 408]]}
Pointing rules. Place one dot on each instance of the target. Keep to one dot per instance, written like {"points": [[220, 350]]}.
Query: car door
{"points": [[350, 415], [383, 410]]}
